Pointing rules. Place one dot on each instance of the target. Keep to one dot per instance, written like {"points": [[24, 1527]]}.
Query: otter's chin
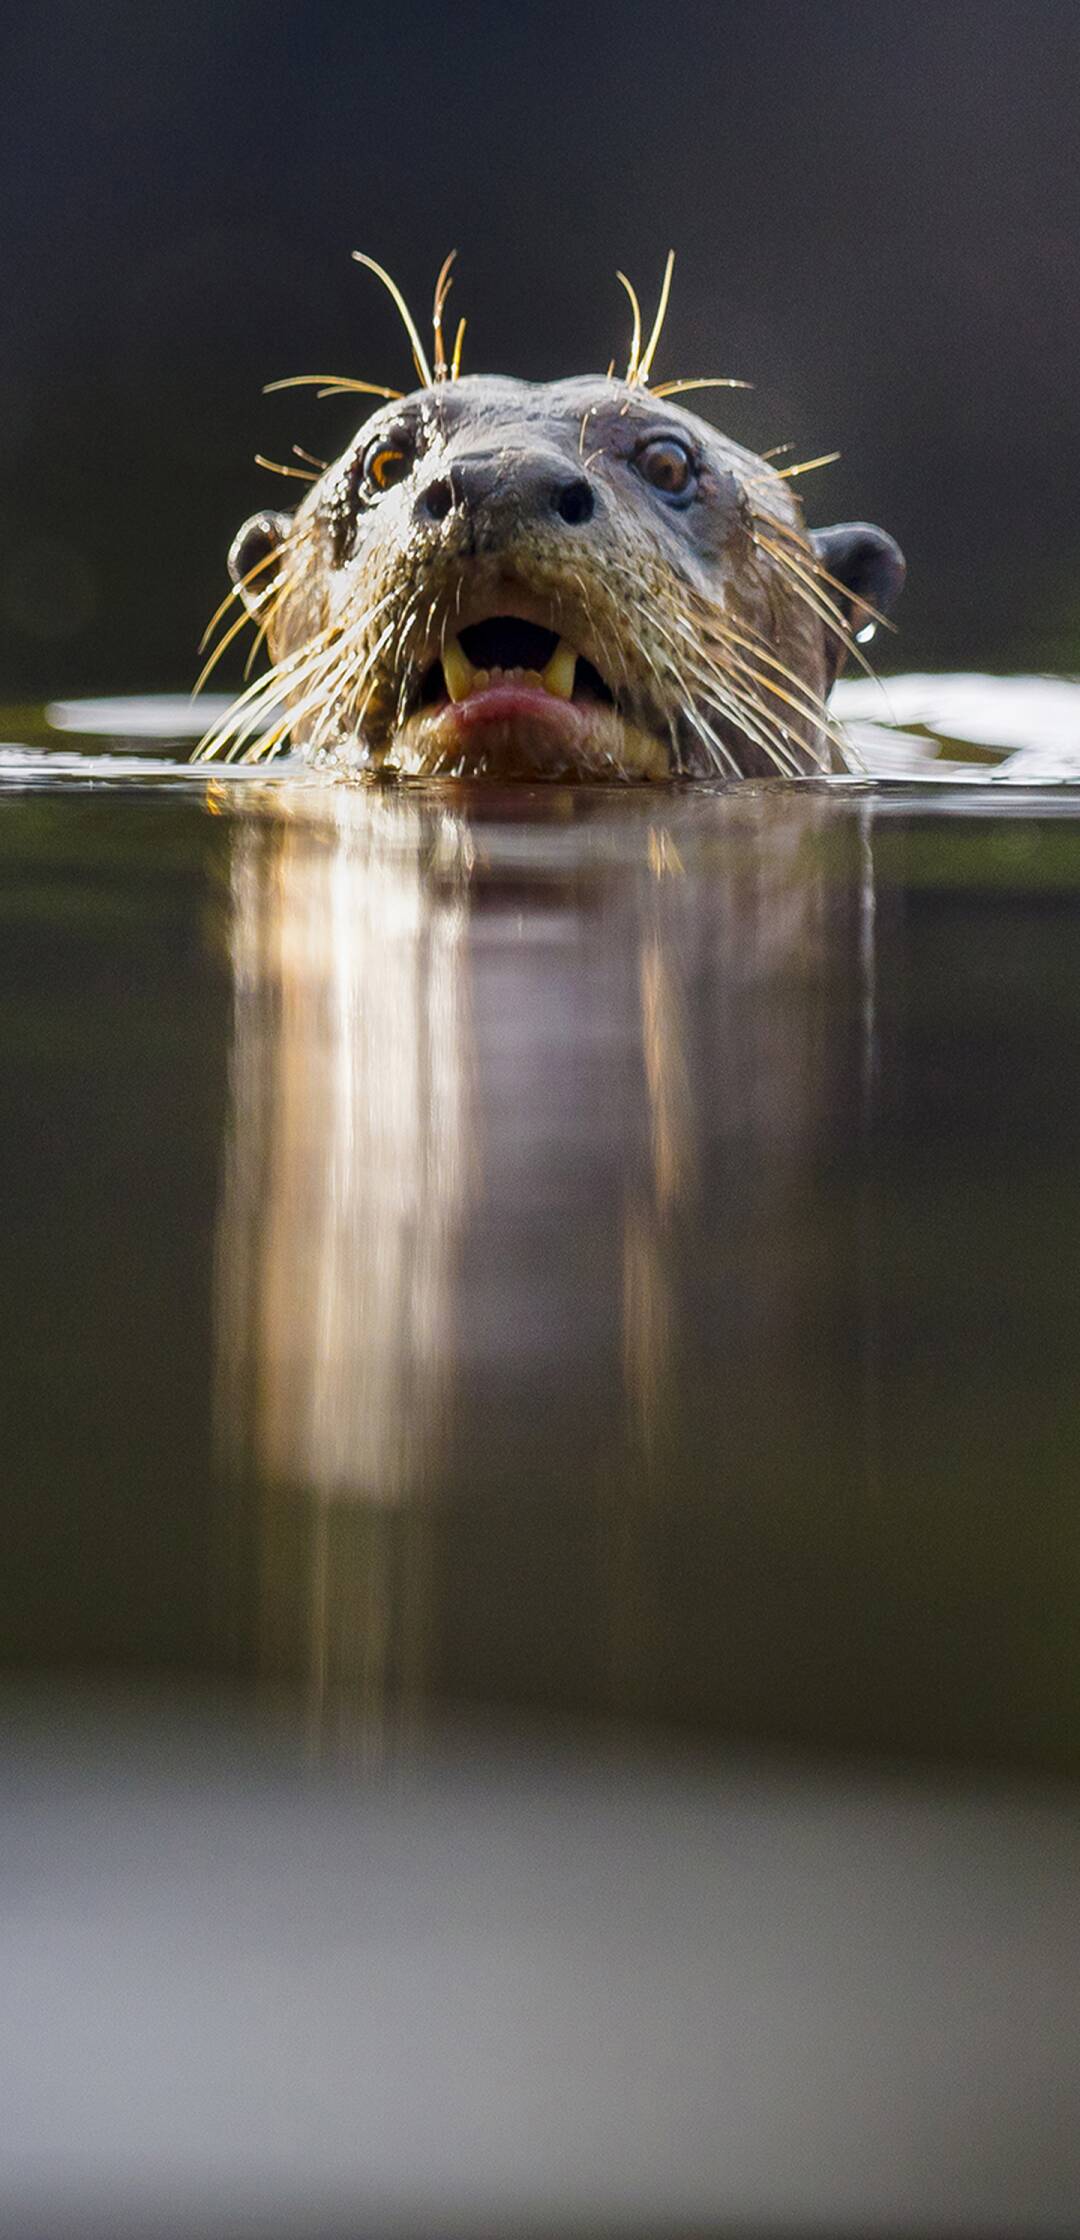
{"points": [[518, 730]]}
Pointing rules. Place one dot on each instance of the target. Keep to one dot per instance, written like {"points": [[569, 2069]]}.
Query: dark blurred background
{"points": [[875, 211]]}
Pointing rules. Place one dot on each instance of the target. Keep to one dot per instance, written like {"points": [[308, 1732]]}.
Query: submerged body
{"points": [[577, 579]]}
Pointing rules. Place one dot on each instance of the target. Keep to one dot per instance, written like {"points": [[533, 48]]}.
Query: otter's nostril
{"points": [[574, 502], [437, 498]]}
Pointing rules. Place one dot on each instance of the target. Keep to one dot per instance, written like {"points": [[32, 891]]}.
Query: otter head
{"points": [[574, 579]]}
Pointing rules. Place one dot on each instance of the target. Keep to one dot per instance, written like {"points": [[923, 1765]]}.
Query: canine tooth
{"points": [[559, 674], [458, 670]]}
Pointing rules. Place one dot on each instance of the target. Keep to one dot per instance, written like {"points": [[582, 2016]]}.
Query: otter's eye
{"points": [[667, 464], [387, 460]]}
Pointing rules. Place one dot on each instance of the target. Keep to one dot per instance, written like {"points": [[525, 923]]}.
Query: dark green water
{"points": [[587, 1254], [539, 1538]]}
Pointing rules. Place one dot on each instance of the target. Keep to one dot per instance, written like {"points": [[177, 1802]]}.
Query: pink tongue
{"points": [[502, 703]]}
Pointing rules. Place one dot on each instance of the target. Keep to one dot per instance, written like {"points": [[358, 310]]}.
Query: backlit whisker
{"points": [[649, 352], [407, 320]]}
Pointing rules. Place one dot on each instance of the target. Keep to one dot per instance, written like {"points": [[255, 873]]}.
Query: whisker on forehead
{"points": [[707, 381], [789, 474], [443, 285], [635, 342], [335, 384], [274, 466], [649, 352], [408, 322]]}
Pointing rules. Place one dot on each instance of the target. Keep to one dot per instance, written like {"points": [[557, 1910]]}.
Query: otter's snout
{"points": [[500, 493]]}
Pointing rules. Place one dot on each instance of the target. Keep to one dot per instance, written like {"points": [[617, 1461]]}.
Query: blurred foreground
{"points": [[528, 1984]]}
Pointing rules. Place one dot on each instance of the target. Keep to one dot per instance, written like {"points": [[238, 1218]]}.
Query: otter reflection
{"points": [[523, 1098], [349, 1148]]}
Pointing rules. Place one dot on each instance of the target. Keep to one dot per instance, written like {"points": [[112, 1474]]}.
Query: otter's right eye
{"points": [[387, 460]]}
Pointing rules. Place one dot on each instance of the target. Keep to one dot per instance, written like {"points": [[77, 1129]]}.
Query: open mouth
{"points": [[504, 652], [509, 696]]}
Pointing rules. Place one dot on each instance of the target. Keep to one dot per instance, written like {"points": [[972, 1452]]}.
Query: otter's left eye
{"points": [[667, 464], [387, 460]]}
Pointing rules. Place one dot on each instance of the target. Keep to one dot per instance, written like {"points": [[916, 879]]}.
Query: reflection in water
{"points": [[347, 1172], [349, 1147], [489, 1071]]}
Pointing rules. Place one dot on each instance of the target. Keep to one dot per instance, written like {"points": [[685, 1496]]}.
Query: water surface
{"points": [[597, 1271], [610, 1251]]}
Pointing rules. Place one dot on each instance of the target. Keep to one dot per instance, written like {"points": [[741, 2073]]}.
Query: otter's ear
{"points": [[251, 555], [871, 569]]}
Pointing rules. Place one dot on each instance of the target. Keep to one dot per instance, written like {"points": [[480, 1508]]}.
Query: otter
{"points": [[569, 579]]}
